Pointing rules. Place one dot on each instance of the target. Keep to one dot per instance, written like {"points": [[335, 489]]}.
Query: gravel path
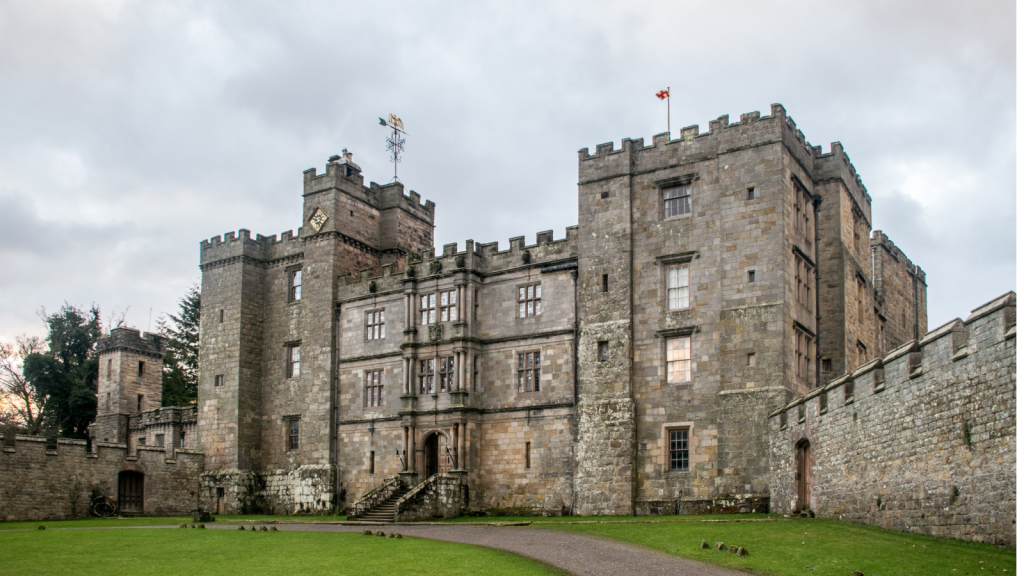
{"points": [[577, 553]]}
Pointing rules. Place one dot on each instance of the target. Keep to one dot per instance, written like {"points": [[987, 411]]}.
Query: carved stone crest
{"points": [[373, 286], [435, 333], [526, 256], [435, 267], [410, 271], [460, 261]]}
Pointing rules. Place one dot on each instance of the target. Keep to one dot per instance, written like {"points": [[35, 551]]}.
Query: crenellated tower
{"points": [[130, 381]]}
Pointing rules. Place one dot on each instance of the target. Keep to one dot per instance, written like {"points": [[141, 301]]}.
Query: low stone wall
{"points": [[923, 440], [305, 490], [440, 496], [722, 505], [42, 482]]}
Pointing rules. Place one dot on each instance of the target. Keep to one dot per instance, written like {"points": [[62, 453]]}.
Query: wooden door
{"points": [[803, 473], [130, 491]]}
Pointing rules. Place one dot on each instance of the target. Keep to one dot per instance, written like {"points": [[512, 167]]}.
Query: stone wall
{"points": [[923, 440], [42, 482], [896, 279], [440, 496], [307, 489]]}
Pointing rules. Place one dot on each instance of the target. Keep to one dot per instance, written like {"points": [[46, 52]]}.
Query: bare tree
{"points": [[19, 400]]}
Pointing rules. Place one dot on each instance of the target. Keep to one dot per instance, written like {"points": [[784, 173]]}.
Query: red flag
{"points": [[662, 94]]}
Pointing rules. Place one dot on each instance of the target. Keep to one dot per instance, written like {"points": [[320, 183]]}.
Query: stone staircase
{"points": [[385, 511]]}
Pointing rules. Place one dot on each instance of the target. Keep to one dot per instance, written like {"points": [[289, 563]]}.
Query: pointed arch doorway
{"points": [[803, 475]]}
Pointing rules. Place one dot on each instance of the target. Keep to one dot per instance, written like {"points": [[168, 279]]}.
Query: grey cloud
{"points": [[189, 119]]}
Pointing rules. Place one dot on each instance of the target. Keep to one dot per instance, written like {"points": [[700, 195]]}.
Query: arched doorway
{"points": [[130, 491], [803, 475], [436, 458]]}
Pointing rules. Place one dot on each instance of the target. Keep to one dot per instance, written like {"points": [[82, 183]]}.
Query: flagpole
{"points": [[669, 112]]}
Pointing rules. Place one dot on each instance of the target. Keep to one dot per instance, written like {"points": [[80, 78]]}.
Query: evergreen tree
{"points": [[65, 376], [181, 364]]}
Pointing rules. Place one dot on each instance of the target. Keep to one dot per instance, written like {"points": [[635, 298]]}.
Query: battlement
{"points": [[753, 129], [544, 249], [476, 257], [132, 340], [879, 239], [393, 196], [348, 178], [720, 134], [164, 415], [262, 248], [953, 341]]}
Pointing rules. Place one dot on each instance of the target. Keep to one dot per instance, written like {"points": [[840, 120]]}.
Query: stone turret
{"points": [[130, 381]]}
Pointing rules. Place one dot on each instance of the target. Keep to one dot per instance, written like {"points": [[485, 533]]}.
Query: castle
{"points": [[627, 366], [714, 283]]}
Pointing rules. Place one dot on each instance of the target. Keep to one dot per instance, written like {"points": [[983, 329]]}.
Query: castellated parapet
{"points": [[922, 440]]}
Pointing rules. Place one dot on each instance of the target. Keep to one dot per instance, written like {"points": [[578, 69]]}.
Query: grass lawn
{"points": [[164, 521], [791, 547], [159, 552]]}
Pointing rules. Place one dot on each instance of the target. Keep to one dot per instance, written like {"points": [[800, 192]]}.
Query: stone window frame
{"points": [[292, 366], [803, 207], [373, 388], [433, 309], [445, 372], [374, 324], [663, 186], [428, 312], [218, 380], [476, 372], [802, 356], [448, 305], [523, 300], [292, 432], [862, 294], [672, 333], [668, 261], [425, 377], [805, 270], [521, 373], [293, 290], [603, 351], [666, 448]]}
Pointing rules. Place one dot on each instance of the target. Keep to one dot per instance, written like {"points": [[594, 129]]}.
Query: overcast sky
{"points": [[130, 131]]}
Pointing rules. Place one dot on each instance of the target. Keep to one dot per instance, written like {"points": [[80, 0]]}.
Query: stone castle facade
{"points": [[639, 365], [627, 368]]}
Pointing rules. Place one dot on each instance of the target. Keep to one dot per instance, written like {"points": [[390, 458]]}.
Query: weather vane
{"points": [[396, 144]]}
